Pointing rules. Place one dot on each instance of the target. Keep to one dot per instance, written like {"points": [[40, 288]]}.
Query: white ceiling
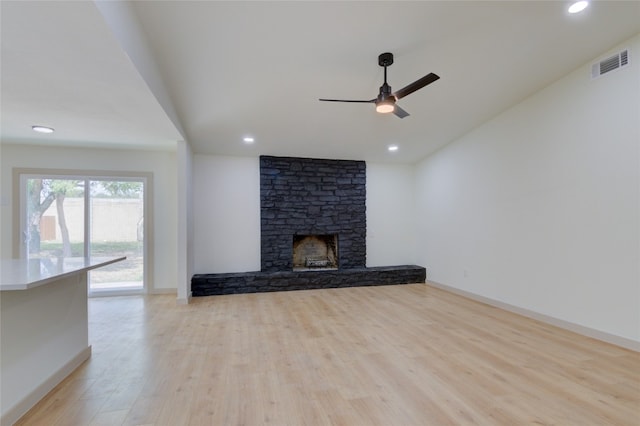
{"points": [[217, 71]]}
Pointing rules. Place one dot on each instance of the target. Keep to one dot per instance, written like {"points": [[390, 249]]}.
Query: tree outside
{"points": [[41, 193]]}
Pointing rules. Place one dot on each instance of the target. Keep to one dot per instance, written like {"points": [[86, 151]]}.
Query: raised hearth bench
{"points": [[43, 327], [258, 282]]}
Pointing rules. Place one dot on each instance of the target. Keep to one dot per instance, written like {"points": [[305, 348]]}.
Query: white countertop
{"points": [[24, 274]]}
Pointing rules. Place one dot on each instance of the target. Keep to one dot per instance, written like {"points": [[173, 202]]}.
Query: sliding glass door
{"points": [[68, 215], [116, 228]]}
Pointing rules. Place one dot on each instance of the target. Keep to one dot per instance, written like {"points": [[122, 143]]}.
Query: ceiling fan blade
{"points": [[418, 84], [400, 112], [345, 100]]}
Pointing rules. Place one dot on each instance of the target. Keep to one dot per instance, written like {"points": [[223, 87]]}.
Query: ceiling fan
{"points": [[386, 101]]}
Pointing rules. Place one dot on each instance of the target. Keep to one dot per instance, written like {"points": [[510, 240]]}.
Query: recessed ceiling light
{"points": [[578, 6], [42, 129], [248, 139], [392, 148]]}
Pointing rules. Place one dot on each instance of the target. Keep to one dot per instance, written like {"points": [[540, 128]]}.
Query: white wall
{"points": [[540, 207], [227, 214], [226, 205], [185, 231], [161, 163], [390, 224]]}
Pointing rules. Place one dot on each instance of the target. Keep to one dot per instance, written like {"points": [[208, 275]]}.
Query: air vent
{"points": [[614, 62]]}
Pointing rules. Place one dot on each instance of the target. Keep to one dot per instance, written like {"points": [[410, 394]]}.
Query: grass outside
{"points": [[129, 270]]}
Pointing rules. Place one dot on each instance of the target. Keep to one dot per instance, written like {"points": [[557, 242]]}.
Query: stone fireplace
{"points": [[310, 196], [313, 226], [314, 252]]}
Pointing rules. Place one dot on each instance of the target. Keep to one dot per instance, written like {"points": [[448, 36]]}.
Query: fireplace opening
{"points": [[313, 252]]}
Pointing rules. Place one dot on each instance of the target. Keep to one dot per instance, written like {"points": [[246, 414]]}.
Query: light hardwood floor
{"points": [[392, 355]]}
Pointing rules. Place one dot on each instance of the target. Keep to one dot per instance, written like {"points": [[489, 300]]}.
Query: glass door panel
{"points": [[116, 224], [54, 224]]}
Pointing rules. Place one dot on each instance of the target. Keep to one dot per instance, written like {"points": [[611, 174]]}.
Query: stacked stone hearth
{"points": [[303, 196]]}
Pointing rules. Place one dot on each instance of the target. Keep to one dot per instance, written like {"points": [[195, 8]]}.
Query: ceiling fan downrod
{"points": [[385, 60]]}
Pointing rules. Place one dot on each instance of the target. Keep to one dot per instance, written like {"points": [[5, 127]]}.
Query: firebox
{"points": [[313, 252]]}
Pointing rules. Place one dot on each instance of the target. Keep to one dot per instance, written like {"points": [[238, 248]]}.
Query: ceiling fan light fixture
{"points": [[386, 106]]}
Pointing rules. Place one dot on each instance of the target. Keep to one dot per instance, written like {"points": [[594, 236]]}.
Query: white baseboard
{"points": [[163, 291], [183, 300], [14, 413], [576, 328]]}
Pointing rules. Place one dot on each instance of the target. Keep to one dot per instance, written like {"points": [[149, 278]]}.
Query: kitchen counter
{"points": [[44, 327], [25, 274]]}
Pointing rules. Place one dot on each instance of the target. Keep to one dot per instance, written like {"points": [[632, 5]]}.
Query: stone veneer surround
{"points": [[306, 196]]}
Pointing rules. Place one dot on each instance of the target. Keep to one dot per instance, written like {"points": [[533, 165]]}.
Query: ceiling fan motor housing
{"points": [[385, 93]]}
